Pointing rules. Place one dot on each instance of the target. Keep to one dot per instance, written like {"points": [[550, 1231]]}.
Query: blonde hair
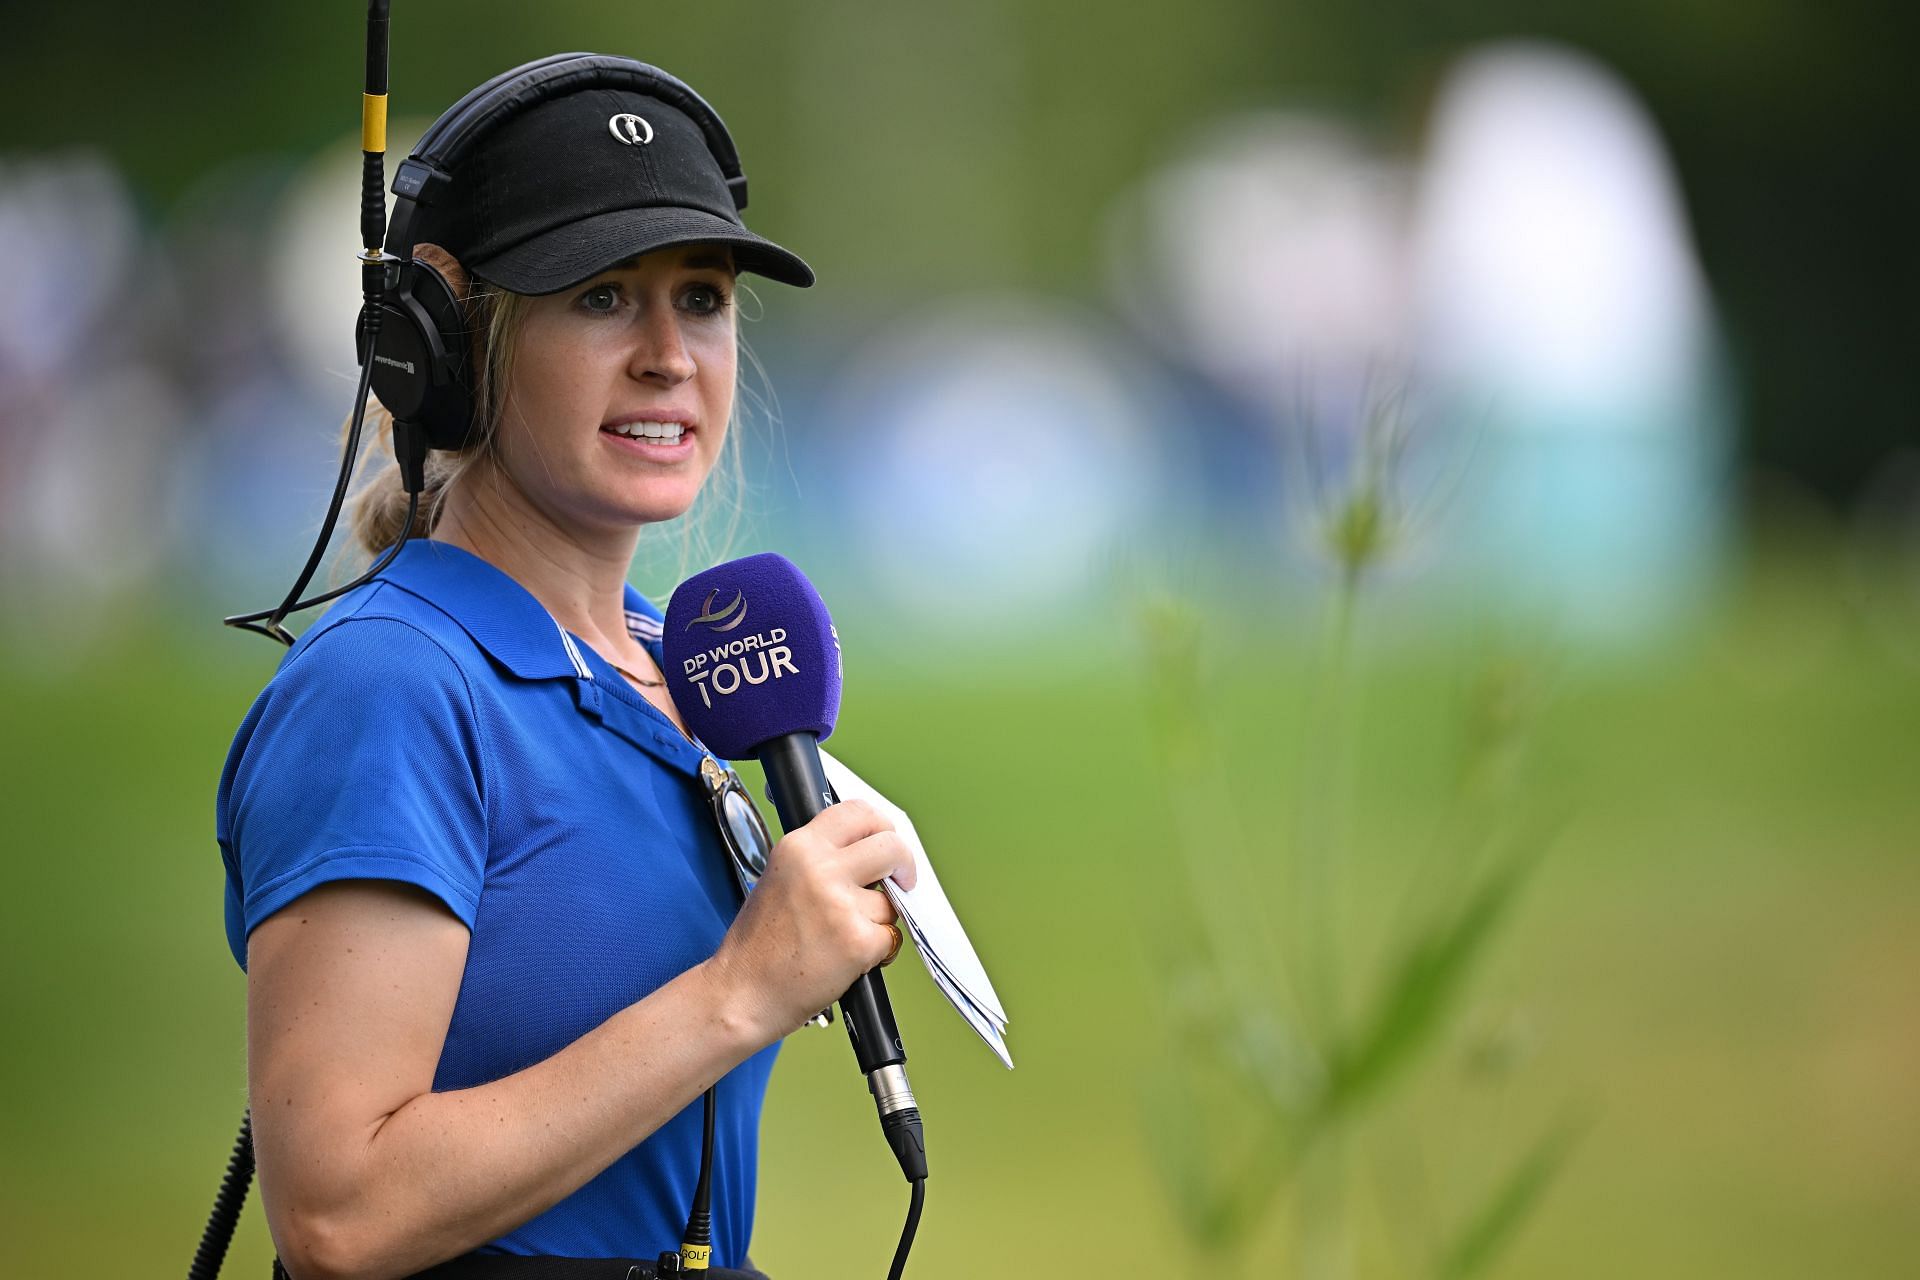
{"points": [[496, 317]]}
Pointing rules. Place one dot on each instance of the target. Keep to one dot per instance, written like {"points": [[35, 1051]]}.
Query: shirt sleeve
{"points": [[362, 759]]}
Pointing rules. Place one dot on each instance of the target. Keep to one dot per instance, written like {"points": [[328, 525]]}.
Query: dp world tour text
{"points": [[748, 660]]}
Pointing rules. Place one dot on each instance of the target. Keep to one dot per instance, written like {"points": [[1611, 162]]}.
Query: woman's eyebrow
{"points": [[710, 261]]}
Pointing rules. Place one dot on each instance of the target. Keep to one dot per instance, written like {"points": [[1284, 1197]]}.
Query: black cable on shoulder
{"points": [[906, 1233]]}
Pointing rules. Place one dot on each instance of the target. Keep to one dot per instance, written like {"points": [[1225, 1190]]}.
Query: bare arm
{"points": [[365, 1171], [350, 992]]}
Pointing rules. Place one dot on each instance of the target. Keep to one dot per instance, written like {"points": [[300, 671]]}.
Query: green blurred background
{"points": [[1272, 628]]}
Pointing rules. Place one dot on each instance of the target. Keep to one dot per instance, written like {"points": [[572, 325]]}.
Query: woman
{"points": [[495, 951]]}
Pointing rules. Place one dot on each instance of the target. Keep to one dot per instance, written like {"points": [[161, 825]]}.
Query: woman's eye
{"points": [[704, 299], [601, 299]]}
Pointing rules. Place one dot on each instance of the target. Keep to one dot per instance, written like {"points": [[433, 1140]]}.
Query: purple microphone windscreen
{"points": [[751, 655]]}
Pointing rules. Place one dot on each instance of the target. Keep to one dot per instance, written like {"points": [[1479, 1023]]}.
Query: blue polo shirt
{"points": [[438, 727]]}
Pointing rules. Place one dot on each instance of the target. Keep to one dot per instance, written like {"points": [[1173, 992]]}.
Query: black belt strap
{"points": [[495, 1266], [500, 1266]]}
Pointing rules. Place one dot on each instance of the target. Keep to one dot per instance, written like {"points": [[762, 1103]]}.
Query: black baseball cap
{"points": [[567, 188]]}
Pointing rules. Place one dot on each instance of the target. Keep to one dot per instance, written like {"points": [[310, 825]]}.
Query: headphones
{"points": [[422, 346]]}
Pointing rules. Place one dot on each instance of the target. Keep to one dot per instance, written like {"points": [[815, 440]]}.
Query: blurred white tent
{"points": [[1558, 291], [1270, 255], [1527, 294]]}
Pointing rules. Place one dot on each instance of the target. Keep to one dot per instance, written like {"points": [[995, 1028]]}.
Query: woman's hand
{"points": [[811, 925]]}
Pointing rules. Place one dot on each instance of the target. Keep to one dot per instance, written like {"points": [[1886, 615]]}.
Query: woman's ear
{"points": [[447, 265]]}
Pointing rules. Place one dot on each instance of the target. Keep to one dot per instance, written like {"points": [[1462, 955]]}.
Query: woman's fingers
{"points": [[876, 906], [904, 873], [867, 847], [881, 855], [849, 822]]}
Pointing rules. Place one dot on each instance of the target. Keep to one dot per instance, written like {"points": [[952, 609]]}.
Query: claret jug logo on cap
{"points": [[630, 128]]}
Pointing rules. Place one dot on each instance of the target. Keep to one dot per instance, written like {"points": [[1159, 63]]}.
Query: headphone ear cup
{"points": [[421, 358]]}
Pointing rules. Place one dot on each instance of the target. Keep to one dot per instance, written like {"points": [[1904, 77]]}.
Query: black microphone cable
{"points": [[907, 1232], [696, 1242]]}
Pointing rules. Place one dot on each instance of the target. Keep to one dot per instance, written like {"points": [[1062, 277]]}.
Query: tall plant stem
{"points": [[1323, 809], [1326, 1243]]}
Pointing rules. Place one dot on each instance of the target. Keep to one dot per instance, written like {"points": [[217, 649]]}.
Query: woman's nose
{"points": [[659, 353]]}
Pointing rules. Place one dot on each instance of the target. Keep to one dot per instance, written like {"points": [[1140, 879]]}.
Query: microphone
{"points": [[753, 664]]}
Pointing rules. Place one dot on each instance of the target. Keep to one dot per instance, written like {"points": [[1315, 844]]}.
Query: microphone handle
{"points": [[798, 786], [800, 790]]}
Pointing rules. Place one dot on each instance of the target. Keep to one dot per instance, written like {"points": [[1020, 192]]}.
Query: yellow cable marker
{"points": [[373, 122], [696, 1257]]}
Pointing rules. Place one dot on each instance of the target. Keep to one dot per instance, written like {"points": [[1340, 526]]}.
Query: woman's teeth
{"points": [[662, 432]]}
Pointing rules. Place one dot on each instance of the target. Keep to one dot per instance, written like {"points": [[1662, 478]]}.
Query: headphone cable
{"points": [[267, 622], [376, 268]]}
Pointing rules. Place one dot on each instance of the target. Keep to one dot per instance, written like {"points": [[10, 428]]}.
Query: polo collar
{"points": [[501, 615]]}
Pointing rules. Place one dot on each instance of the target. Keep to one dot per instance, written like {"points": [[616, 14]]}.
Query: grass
{"points": [[1711, 978]]}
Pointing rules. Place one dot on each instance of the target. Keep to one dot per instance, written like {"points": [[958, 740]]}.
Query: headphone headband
{"points": [[490, 106], [475, 94], [432, 165]]}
